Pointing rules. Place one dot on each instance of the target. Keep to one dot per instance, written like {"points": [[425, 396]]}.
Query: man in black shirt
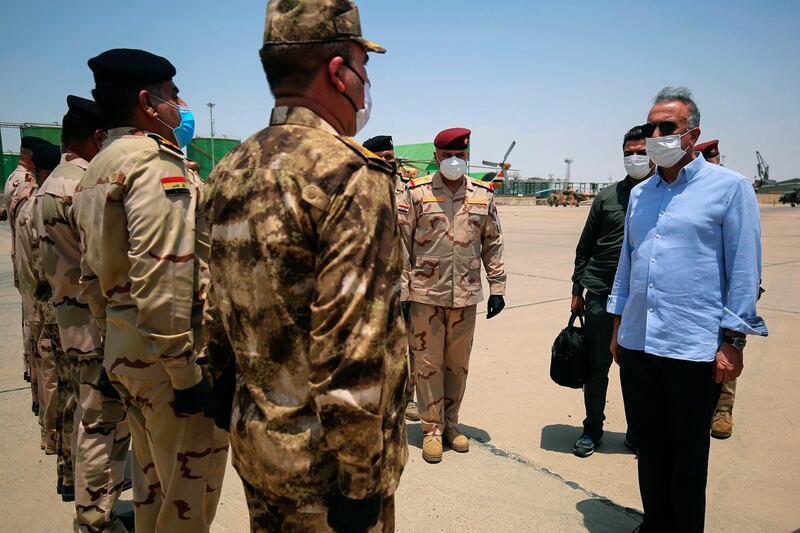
{"points": [[596, 259]]}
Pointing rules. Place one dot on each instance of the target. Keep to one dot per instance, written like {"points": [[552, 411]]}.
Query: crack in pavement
{"points": [[608, 502], [15, 390]]}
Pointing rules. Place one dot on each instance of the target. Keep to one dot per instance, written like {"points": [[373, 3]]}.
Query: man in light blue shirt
{"points": [[685, 298]]}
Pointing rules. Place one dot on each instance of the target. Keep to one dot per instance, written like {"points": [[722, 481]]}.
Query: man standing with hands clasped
{"points": [[685, 298]]}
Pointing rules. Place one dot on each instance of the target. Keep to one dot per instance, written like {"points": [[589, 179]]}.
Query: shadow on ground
{"points": [[561, 438], [415, 434], [601, 516]]}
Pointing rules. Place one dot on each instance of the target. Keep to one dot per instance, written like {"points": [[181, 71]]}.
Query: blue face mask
{"points": [[184, 132]]}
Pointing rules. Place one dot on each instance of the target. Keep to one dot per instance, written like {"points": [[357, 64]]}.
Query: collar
{"points": [[687, 173], [300, 116], [122, 130], [75, 159]]}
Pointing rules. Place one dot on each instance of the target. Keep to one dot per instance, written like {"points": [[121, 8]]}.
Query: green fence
{"points": [[9, 163], [43, 131]]}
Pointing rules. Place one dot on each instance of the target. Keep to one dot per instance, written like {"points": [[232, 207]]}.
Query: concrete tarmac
{"points": [[520, 474]]}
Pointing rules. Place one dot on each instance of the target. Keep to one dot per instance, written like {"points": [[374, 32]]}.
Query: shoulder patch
{"points": [[483, 184], [166, 146], [416, 182], [175, 184], [372, 159]]}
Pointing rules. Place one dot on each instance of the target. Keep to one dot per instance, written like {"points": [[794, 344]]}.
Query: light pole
{"points": [[211, 113]]}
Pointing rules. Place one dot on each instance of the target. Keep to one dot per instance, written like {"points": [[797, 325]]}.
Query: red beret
{"points": [[708, 148], [452, 139]]}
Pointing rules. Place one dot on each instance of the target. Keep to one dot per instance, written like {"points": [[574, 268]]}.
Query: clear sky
{"points": [[563, 78]]}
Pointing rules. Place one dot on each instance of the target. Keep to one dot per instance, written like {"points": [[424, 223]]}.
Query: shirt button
{"points": [[652, 285], [652, 259], [669, 189], [652, 309], [658, 235]]}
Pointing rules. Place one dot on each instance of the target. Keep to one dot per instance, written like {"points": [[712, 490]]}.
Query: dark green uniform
{"points": [[596, 259]]}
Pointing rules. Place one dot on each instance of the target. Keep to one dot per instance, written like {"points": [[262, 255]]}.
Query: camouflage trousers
{"points": [[47, 388], [103, 440], [267, 518], [66, 367], [441, 341], [181, 459], [28, 351], [727, 397]]}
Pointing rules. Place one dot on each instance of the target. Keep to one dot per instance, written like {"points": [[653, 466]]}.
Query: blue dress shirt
{"points": [[690, 264]]}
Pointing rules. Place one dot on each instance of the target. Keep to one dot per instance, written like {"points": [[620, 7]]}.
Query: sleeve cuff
{"points": [[358, 482], [184, 377], [754, 325], [577, 289], [616, 304], [497, 289]]}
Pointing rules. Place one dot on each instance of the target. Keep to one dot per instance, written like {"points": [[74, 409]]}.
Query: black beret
{"points": [[379, 143], [83, 112], [29, 142], [123, 66], [46, 156]]}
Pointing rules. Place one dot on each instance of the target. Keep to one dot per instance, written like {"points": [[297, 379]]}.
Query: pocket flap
{"points": [[427, 261]]}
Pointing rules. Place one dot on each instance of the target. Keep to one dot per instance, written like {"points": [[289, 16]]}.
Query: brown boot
{"points": [[432, 448], [456, 440], [412, 412], [722, 425]]}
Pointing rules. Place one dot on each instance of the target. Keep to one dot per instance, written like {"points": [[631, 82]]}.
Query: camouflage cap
{"points": [[314, 21]]}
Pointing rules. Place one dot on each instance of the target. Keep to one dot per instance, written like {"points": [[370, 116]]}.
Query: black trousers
{"points": [[669, 404], [599, 327]]}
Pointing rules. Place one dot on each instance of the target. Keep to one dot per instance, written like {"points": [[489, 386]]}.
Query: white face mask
{"points": [[665, 151], [453, 168], [637, 166], [362, 115]]}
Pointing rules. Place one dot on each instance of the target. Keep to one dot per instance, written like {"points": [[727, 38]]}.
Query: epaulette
{"points": [[416, 182], [485, 184], [166, 146], [369, 156]]}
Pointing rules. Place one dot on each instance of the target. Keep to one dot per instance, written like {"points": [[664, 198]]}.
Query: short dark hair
{"points": [[636, 133], [293, 66], [117, 103]]}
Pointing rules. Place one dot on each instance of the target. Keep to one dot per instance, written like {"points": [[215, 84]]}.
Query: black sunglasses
{"points": [[666, 127]]}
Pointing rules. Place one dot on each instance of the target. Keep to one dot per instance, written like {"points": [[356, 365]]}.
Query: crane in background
{"points": [[762, 172]]}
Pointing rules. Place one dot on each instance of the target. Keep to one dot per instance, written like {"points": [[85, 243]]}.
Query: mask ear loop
{"points": [[363, 83]]}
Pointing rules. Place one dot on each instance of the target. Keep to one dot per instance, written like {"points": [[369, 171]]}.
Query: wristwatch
{"points": [[737, 342]]}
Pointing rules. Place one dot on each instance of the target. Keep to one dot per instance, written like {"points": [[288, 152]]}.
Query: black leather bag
{"points": [[568, 356]]}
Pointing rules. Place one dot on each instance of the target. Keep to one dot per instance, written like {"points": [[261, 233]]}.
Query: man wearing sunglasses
{"points": [[685, 298]]}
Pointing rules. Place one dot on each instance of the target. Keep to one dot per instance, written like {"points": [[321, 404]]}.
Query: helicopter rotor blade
{"points": [[490, 163], [513, 144]]}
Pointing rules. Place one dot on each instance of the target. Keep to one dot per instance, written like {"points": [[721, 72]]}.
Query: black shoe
{"points": [[68, 493], [60, 486], [126, 485], [585, 446], [26, 377], [35, 408], [629, 441]]}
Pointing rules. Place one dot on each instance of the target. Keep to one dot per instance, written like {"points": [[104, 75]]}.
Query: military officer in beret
{"points": [[144, 273], [102, 436], [710, 151], [450, 226], [22, 174], [383, 147], [305, 263], [57, 407]]}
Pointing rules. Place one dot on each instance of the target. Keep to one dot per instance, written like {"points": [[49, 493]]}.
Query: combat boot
{"points": [[412, 412], [456, 440], [432, 448], [722, 425]]}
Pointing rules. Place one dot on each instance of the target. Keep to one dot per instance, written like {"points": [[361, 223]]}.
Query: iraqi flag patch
{"points": [[175, 184]]}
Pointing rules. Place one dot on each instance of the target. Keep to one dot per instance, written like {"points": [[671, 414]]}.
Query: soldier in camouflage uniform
{"points": [[450, 225], [383, 147], [58, 409], [305, 262], [23, 174], [144, 276], [102, 433]]}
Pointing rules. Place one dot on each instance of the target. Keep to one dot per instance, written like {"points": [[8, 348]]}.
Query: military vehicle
{"points": [[791, 197]]}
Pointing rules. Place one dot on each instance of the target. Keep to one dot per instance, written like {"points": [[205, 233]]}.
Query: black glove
{"points": [[354, 516], [190, 401], [406, 306], [220, 404], [494, 305]]}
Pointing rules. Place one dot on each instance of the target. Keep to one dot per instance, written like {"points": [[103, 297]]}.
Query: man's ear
{"points": [[146, 104], [333, 73]]}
